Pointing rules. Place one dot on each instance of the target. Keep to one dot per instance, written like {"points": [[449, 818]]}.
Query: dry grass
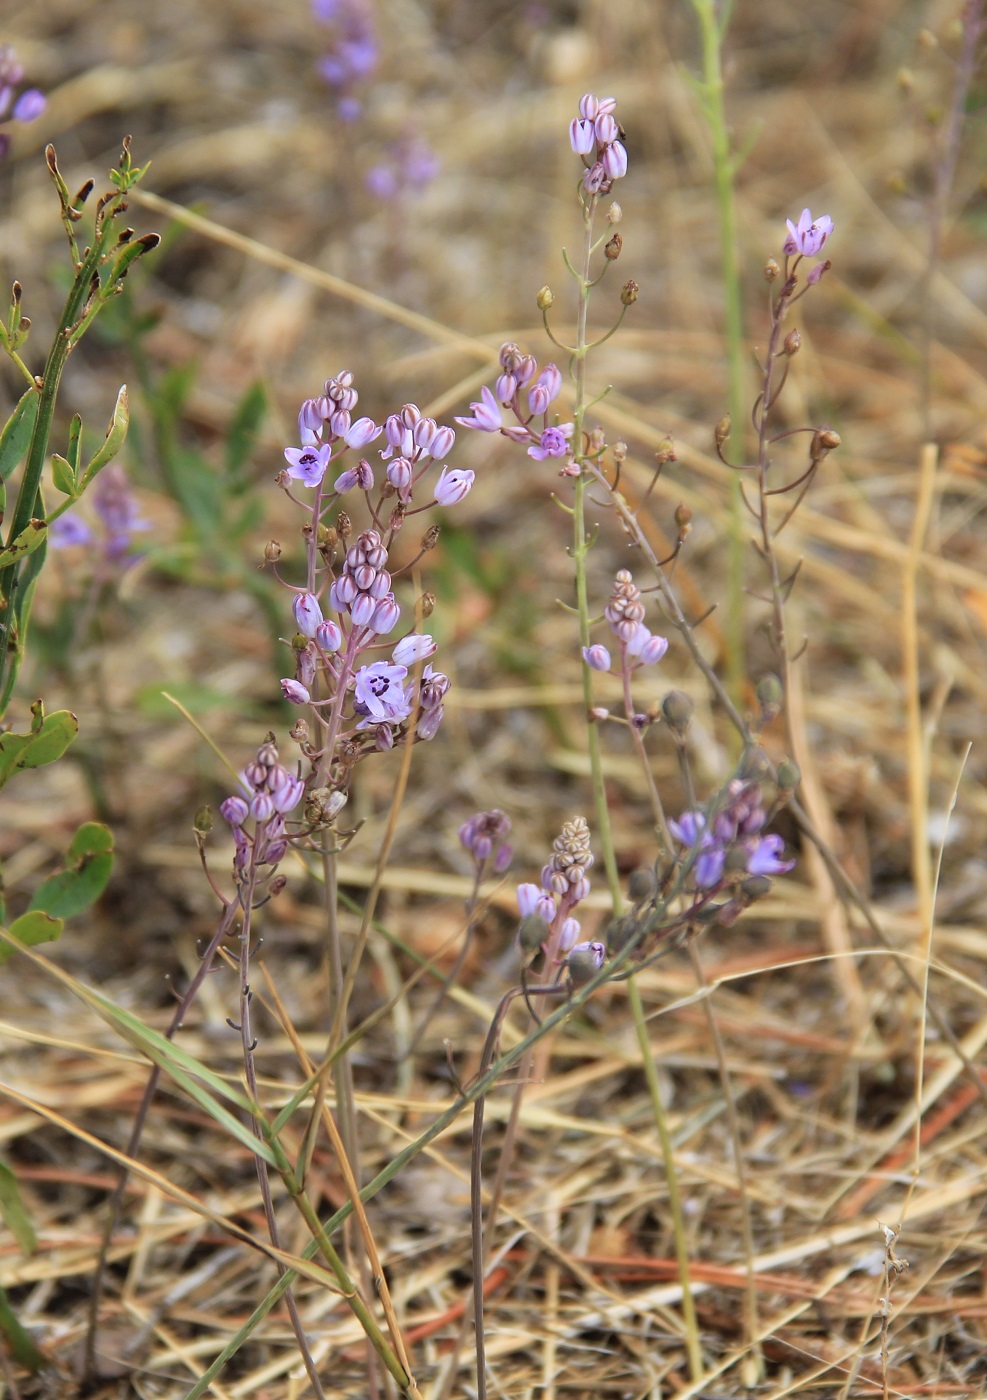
{"points": [[853, 1108]]}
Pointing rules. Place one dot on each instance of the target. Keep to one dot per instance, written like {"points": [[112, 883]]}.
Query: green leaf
{"points": [[62, 475], [26, 543], [16, 435], [22, 1348], [44, 745], [88, 863], [130, 253], [116, 434], [15, 1217], [241, 436], [30, 930]]}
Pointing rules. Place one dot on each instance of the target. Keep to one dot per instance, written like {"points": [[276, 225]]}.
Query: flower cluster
{"points": [[595, 135], [564, 884], [326, 429], [409, 166], [483, 835], [360, 702], [625, 614], [22, 108], [727, 844], [117, 515], [353, 51], [269, 794], [528, 394]]}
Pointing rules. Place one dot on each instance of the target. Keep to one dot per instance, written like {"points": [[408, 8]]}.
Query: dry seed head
{"points": [[545, 298], [613, 246], [628, 293]]}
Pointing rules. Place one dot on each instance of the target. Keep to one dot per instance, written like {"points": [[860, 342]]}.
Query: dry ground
{"points": [[823, 1048]]}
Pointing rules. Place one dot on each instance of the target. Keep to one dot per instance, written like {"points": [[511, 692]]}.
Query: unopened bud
{"points": [[531, 934], [677, 709], [771, 270], [620, 932], [788, 775], [754, 763], [683, 520], [722, 431], [613, 246], [755, 887], [823, 443], [628, 293], [585, 961], [614, 213], [793, 343], [545, 298], [272, 552], [642, 883], [770, 697]]}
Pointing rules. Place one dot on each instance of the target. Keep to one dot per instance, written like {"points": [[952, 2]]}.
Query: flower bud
{"points": [[677, 710], [585, 961], [532, 933], [683, 520], [620, 932], [545, 299], [770, 696], [788, 775], [642, 883], [628, 293]]}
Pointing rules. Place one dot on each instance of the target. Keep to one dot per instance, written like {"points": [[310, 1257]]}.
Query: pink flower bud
{"points": [[307, 612], [294, 692]]}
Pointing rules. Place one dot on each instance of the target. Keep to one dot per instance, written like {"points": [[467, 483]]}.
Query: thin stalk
{"points": [[580, 549], [713, 20]]}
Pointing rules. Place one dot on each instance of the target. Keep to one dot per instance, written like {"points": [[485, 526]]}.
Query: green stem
{"points": [[712, 29], [580, 549]]}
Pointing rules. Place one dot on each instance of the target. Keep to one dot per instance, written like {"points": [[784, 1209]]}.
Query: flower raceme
{"points": [[528, 395], [595, 136]]}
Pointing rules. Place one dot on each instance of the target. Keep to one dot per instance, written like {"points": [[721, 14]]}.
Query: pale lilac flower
{"points": [[308, 464], [386, 616], [428, 725], [453, 485], [653, 650], [328, 636], [554, 442], [688, 827], [363, 431], [379, 692], [415, 647], [308, 613], [294, 691], [528, 896], [808, 235], [615, 160], [597, 657], [486, 416], [287, 795], [582, 136], [569, 934]]}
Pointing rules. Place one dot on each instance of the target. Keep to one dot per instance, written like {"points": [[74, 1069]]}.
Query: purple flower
{"points": [[597, 657], [329, 637], [361, 476], [653, 650], [709, 864], [69, 530], [554, 442], [582, 136], [808, 235], [294, 691], [234, 811], [528, 896], [308, 464], [379, 692], [765, 857], [453, 484], [688, 828], [486, 414]]}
